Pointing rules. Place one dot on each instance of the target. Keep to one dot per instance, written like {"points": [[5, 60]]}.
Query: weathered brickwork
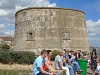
{"points": [[50, 28]]}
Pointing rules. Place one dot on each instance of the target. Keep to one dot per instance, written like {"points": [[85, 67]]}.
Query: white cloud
{"points": [[3, 12], [93, 27], [34, 3], [94, 41], [4, 31], [42, 3], [8, 9], [9, 4], [2, 26], [52, 5], [18, 7], [9, 32]]}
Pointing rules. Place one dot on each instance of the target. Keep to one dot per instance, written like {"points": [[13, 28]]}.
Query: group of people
{"points": [[68, 61], [65, 60]]}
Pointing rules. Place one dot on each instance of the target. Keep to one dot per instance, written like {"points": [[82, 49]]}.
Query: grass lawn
{"points": [[15, 72]]}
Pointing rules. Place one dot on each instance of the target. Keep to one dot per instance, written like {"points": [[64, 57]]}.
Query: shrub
{"points": [[10, 57], [4, 47], [5, 57], [54, 54]]}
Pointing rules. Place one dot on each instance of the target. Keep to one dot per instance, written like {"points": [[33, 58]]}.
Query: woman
{"points": [[48, 62], [93, 61]]}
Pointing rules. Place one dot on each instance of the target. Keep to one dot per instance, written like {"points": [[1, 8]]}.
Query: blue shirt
{"points": [[37, 64], [66, 56]]}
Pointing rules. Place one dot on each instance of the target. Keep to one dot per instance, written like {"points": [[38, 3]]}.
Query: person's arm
{"points": [[60, 64], [46, 63], [53, 69], [60, 61], [44, 72], [49, 68], [67, 59]]}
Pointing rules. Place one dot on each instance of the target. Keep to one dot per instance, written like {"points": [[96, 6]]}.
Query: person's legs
{"points": [[72, 59], [67, 70], [41, 74], [95, 65], [77, 65], [92, 66], [71, 69]]}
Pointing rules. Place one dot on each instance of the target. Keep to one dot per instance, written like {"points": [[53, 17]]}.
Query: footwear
{"points": [[80, 70]]}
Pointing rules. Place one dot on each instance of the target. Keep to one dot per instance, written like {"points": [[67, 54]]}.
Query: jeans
{"points": [[72, 59], [41, 74], [75, 63], [71, 69]]}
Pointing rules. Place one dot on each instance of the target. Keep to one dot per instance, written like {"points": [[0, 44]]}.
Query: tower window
{"points": [[30, 36], [66, 36]]}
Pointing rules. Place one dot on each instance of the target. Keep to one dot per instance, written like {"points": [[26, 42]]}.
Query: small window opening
{"points": [[66, 36], [30, 36]]}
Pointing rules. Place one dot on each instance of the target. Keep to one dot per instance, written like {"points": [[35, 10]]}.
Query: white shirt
{"points": [[73, 56], [98, 70], [57, 60]]}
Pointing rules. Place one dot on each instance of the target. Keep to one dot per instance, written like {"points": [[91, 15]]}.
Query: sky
{"points": [[8, 8]]}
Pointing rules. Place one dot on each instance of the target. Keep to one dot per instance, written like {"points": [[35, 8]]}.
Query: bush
{"points": [[5, 57], [10, 57], [54, 54], [4, 47]]}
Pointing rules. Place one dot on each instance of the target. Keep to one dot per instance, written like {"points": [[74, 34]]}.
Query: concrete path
{"points": [[89, 71]]}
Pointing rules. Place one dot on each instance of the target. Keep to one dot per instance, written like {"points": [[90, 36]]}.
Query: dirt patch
{"points": [[15, 67]]}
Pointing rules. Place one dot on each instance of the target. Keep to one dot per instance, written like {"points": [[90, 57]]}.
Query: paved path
{"points": [[89, 71]]}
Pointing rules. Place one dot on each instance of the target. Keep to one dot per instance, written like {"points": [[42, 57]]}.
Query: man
{"points": [[39, 63], [77, 54], [67, 56], [75, 63], [59, 63]]}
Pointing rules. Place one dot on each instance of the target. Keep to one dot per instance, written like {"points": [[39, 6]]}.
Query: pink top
{"points": [[48, 61]]}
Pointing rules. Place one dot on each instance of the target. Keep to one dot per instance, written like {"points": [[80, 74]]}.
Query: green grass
{"points": [[15, 72]]}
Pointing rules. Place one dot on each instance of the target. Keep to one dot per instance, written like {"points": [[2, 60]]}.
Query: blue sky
{"points": [[90, 7], [8, 9]]}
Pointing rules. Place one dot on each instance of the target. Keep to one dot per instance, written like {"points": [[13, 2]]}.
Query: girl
{"points": [[93, 61]]}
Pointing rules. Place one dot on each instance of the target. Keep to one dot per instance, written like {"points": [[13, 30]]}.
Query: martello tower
{"points": [[50, 28]]}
